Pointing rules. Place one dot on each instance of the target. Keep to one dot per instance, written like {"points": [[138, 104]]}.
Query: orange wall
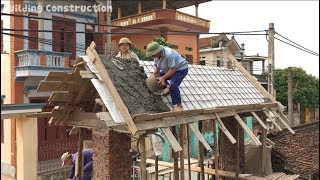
{"points": [[182, 41]]}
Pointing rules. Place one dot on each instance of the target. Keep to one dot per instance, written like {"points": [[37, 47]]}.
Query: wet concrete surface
{"points": [[131, 86]]}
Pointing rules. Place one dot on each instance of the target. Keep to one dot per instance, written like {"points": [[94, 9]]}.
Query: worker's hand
{"points": [[161, 81]]}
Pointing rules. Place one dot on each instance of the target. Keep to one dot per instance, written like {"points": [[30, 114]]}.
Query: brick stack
{"points": [[227, 150], [111, 158], [301, 150]]}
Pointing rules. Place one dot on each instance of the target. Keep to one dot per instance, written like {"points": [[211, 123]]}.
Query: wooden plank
{"points": [[199, 135], [247, 130], [48, 86], [87, 75], [114, 93], [145, 117], [253, 107], [283, 121], [172, 140], [272, 120], [57, 76], [225, 130], [41, 114], [259, 120], [238, 153], [79, 168], [255, 82], [60, 96]]}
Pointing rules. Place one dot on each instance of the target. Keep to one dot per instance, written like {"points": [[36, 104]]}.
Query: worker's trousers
{"points": [[175, 81]]}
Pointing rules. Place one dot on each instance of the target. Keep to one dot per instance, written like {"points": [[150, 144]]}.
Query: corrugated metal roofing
{"points": [[209, 86]]}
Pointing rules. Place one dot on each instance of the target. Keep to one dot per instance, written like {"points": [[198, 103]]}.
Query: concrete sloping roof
{"points": [[208, 86]]}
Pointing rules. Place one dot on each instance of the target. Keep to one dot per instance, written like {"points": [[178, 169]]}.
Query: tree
{"points": [[142, 55], [305, 87]]}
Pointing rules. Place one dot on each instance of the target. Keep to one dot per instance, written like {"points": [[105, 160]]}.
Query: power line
{"points": [[295, 43], [83, 32], [127, 27], [310, 52]]}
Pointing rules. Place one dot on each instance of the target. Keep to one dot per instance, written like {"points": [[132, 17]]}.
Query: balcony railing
{"points": [[39, 62], [160, 14]]}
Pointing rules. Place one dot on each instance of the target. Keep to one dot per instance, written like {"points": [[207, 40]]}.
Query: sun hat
{"points": [[64, 157], [153, 48], [124, 40]]}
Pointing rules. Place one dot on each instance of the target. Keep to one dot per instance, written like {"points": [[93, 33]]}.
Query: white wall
{"points": [[211, 57]]}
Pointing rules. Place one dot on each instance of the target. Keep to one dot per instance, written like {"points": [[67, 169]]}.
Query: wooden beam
{"points": [[182, 136], [175, 157], [283, 121], [247, 130], [172, 140], [255, 82], [143, 159], [215, 144], [263, 139], [188, 152], [272, 120], [200, 156], [259, 120], [113, 91], [40, 114], [199, 135], [224, 129]]}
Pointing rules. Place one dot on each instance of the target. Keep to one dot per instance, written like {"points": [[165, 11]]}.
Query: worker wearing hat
{"points": [[71, 160], [169, 65], [125, 52]]}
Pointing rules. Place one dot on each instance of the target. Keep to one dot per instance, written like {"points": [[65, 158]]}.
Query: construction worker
{"points": [[71, 160], [169, 65], [125, 52]]}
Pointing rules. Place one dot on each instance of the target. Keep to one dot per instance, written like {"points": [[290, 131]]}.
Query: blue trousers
{"points": [[175, 81]]}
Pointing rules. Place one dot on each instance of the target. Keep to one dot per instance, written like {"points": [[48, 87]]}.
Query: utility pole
{"points": [[271, 66], [290, 100], [108, 15]]}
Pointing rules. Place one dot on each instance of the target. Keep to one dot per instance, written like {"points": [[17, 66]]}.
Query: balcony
{"points": [[40, 62], [165, 16]]}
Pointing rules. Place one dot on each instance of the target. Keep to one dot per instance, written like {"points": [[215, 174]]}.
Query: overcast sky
{"points": [[295, 20]]}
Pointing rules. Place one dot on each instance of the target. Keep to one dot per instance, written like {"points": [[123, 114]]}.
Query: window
{"points": [[64, 41], [202, 62], [173, 46], [33, 35], [218, 63], [188, 48], [189, 58]]}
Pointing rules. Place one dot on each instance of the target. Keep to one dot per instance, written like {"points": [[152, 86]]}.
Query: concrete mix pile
{"points": [[131, 86]]}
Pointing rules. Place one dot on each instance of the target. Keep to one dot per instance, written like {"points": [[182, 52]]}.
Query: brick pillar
{"points": [[228, 150], [111, 157]]}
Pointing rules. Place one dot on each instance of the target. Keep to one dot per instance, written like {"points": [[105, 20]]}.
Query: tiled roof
{"points": [[209, 86], [207, 42]]}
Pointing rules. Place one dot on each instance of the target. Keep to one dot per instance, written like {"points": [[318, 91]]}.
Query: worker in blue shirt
{"points": [[70, 160], [169, 65]]}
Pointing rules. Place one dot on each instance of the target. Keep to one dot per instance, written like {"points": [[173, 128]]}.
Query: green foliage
{"points": [[305, 87], [142, 55]]}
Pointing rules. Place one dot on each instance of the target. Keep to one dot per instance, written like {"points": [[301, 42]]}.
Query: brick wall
{"points": [[16, 87], [227, 150], [111, 157], [300, 150]]}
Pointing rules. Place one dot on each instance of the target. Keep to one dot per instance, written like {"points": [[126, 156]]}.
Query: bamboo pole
{"points": [[175, 158], [188, 153], [143, 159], [181, 133]]}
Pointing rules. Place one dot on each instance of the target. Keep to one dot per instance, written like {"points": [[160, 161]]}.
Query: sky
{"points": [[295, 20]]}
